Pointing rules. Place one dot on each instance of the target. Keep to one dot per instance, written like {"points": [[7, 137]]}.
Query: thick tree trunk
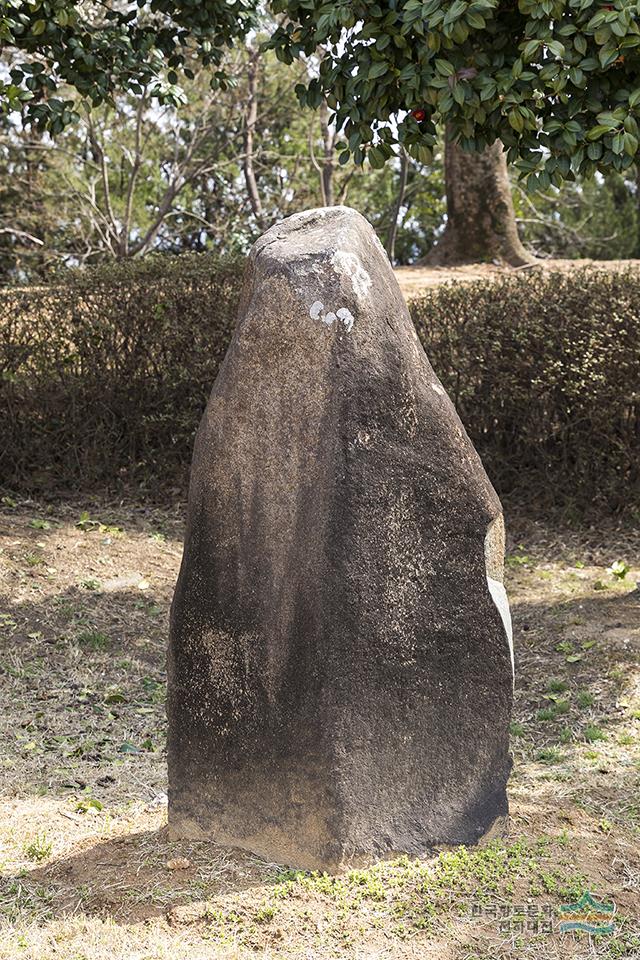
{"points": [[481, 223]]}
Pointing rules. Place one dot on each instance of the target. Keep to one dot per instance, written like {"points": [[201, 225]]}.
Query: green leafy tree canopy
{"points": [[558, 81], [96, 48]]}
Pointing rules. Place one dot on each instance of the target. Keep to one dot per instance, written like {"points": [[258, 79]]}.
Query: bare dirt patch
{"points": [[415, 280], [88, 871]]}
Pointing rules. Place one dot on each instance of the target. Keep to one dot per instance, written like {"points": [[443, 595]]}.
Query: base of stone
{"points": [[278, 849]]}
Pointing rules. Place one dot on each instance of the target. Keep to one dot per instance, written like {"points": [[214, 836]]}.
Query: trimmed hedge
{"points": [[544, 370], [103, 378]]}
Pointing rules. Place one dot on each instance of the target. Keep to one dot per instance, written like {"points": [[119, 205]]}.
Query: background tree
{"points": [[94, 50], [24, 213], [131, 176], [556, 81], [116, 183], [595, 218], [89, 193], [481, 222]]}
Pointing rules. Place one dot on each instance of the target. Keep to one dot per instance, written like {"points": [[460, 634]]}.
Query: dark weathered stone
{"points": [[340, 677]]}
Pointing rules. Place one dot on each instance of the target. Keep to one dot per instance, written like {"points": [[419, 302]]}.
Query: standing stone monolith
{"points": [[340, 668]]}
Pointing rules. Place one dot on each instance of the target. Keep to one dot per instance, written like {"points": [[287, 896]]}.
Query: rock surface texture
{"points": [[340, 668]]}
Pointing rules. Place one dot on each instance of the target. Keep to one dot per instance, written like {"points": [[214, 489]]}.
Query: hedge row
{"points": [[103, 378], [544, 370]]}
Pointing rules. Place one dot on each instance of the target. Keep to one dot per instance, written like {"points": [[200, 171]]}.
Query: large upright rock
{"points": [[340, 674]]}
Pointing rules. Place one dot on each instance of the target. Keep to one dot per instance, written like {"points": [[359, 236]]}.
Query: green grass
{"points": [[548, 713], [585, 699], [549, 755], [410, 893], [93, 640], [556, 709], [591, 733], [34, 559], [38, 848], [38, 524]]}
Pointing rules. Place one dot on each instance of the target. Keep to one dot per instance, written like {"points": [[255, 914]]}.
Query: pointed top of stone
{"points": [[331, 260], [315, 231]]}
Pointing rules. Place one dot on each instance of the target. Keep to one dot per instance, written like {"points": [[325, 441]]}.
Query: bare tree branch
{"points": [[22, 234], [135, 169], [251, 118]]}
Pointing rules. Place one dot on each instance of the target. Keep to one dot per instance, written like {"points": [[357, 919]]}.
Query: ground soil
{"points": [[413, 280], [88, 871]]}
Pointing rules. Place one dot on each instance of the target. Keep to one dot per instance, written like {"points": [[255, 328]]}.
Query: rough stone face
{"points": [[340, 674]]}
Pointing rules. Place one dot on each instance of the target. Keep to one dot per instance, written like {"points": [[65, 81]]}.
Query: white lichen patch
{"points": [[437, 389], [349, 264], [316, 309], [328, 318], [346, 317]]}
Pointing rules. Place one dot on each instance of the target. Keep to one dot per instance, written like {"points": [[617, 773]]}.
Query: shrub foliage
{"points": [[103, 379], [545, 373]]}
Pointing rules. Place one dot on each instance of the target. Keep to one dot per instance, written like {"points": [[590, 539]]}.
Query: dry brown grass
{"points": [[84, 851]]}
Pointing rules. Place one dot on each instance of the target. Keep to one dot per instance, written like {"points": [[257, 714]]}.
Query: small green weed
{"points": [[34, 559], [86, 524], [38, 848], [618, 570], [565, 646], [89, 805], [548, 713], [556, 709], [585, 699], [265, 913], [591, 733], [549, 755], [93, 640], [518, 559]]}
